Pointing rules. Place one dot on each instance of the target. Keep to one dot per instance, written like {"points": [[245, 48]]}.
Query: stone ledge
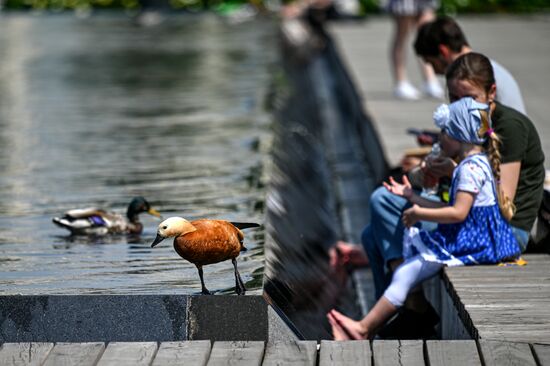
{"points": [[132, 318]]}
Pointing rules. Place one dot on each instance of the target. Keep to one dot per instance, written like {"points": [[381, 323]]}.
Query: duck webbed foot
{"points": [[239, 285]]}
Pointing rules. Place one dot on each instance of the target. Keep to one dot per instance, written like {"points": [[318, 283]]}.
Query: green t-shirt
{"points": [[520, 142]]}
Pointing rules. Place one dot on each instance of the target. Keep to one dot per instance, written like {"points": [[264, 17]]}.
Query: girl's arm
{"points": [[445, 215], [405, 190]]}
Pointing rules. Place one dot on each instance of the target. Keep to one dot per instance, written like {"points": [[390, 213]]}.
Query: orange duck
{"points": [[203, 242]]}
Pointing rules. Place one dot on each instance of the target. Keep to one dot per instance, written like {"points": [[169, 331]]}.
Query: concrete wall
{"points": [[89, 318]]}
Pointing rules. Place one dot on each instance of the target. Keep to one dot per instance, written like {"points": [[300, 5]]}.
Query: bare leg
{"points": [[204, 290], [403, 25], [427, 69], [239, 285], [368, 326], [403, 88], [432, 86]]}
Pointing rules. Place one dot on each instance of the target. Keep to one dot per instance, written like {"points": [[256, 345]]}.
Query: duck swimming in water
{"points": [[203, 242], [95, 221]]}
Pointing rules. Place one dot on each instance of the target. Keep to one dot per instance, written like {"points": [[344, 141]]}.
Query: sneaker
{"points": [[406, 91], [434, 90]]}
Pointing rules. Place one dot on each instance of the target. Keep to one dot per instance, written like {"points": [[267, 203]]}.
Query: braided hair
{"points": [[492, 147]]}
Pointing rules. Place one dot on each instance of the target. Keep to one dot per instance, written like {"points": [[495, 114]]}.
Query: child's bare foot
{"points": [[352, 254], [346, 327], [338, 332]]}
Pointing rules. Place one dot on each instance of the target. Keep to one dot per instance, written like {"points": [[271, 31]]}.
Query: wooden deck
{"points": [[307, 353], [504, 303]]}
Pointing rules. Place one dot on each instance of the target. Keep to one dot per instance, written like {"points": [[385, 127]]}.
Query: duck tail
{"points": [[62, 222], [244, 225], [243, 248]]}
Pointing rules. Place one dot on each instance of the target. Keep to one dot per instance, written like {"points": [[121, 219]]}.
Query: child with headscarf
{"points": [[473, 226]]}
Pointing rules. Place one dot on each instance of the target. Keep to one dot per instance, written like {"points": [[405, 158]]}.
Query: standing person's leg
{"points": [[431, 85], [403, 25], [383, 238]]}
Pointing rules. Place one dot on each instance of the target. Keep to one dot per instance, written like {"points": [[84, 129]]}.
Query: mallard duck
{"points": [[95, 221], [203, 242]]}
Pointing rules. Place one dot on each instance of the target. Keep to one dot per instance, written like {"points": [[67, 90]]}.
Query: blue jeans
{"points": [[522, 237], [383, 237]]}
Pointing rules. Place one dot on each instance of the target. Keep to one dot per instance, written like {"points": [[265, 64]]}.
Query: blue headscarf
{"points": [[461, 120]]}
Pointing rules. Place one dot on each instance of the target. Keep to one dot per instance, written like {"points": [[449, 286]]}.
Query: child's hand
{"points": [[410, 216], [404, 190]]}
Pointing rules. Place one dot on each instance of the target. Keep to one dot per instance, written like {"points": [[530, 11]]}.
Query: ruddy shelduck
{"points": [[204, 241]]}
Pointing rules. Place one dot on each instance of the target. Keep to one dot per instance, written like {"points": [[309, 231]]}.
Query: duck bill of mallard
{"points": [[153, 212], [157, 240]]}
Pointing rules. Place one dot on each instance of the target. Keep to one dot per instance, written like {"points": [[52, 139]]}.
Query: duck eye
{"points": [[165, 227]]}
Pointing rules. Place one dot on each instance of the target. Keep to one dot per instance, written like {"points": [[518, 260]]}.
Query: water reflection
{"points": [[96, 111]]}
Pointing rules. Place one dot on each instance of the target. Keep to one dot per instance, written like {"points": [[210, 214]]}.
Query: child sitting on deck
{"points": [[472, 227]]}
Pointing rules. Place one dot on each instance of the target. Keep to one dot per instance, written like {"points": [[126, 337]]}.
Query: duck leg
{"points": [[239, 285], [204, 290]]}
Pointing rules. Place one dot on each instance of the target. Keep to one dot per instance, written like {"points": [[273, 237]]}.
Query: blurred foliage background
{"points": [[367, 6]]}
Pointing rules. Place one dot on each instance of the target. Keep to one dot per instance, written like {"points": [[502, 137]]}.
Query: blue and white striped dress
{"points": [[484, 237]]}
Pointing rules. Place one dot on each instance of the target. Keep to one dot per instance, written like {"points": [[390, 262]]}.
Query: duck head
{"points": [[137, 206], [172, 227]]}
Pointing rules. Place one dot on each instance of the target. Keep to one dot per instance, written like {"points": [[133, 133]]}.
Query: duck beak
{"points": [[153, 212], [157, 240]]}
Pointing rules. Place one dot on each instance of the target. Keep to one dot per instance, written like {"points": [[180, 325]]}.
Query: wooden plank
{"points": [[542, 352], [495, 299], [460, 352], [512, 335], [351, 353], [499, 353], [236, 353], [27, 354], [72, 354], [394, 352], [128, 354], [492, 276], [495, 272], [24, 353], [497, 294], [291, 353], [190, 353]]}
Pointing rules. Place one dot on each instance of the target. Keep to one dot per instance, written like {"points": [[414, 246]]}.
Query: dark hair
{"points": [[444, 30], [473, 67]]}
